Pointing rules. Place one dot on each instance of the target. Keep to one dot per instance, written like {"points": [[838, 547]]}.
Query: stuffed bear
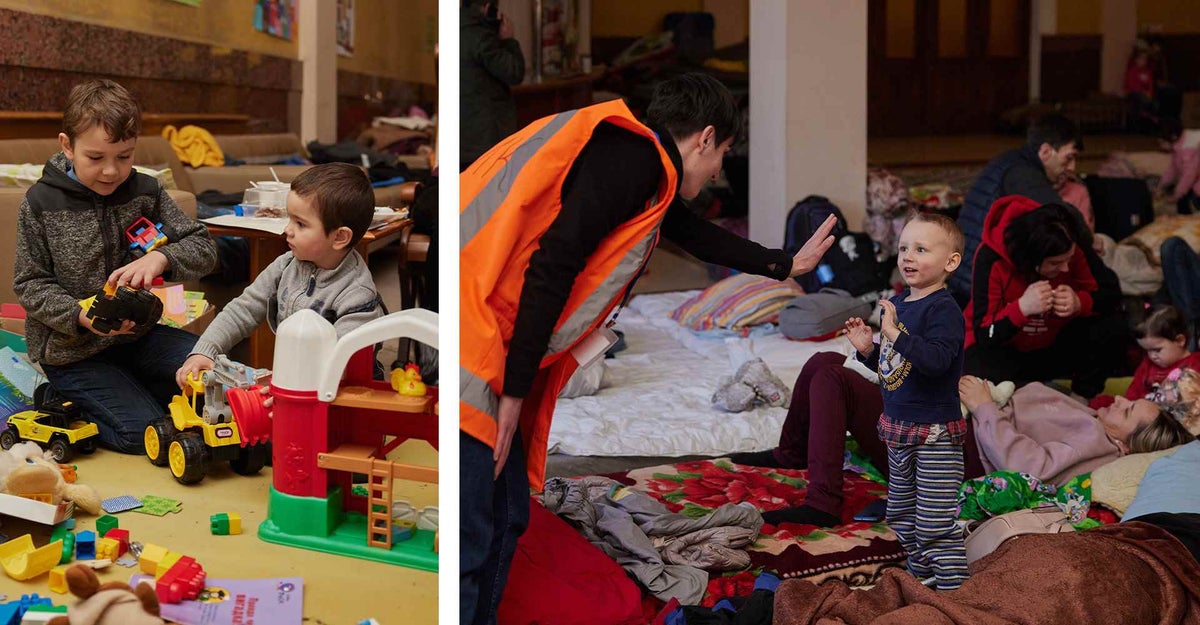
{"points": [[110, 603], [25, 469]]}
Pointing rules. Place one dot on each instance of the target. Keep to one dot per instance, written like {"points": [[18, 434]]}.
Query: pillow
{"points": [[736, 303], [1169, 485], [1162, 228], [557, 576], [1116, 483], [162, 173], [19, 176]]}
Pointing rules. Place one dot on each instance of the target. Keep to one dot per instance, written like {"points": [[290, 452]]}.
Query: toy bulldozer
{"points": [[230, 425], [112, 306]]}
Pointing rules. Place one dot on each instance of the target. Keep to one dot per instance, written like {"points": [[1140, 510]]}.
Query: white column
{"points": [[1043, 21], [1118, 23], [318, 56], [808, 111]]}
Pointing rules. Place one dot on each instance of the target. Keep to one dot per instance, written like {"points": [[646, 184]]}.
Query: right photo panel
{"points": [[798, 312]]}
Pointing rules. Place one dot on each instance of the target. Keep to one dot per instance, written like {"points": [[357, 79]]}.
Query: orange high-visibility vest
{"points": [[509, 198]]}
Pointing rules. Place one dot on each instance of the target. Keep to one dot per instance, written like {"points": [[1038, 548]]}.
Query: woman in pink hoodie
{"points": [[1053, 437]]}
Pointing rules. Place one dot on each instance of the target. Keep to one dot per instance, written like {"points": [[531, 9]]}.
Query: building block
{"points": [[403, 530], [21, 560], [226, 523], [68, 542], [166, 563], [106, 549], [85, 545], [184, 580], [122, 537], [40, 614], [106, 523], [58, 579], [151, 555]]}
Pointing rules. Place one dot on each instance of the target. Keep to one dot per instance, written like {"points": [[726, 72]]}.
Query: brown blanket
{"points": [[1131, 573]]}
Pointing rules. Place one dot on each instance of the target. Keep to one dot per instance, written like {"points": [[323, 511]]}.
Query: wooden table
{"points": [[265, 247]]}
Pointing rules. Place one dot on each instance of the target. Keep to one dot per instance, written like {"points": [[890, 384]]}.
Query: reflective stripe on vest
{"points": [[603, 297], [484, 205]]}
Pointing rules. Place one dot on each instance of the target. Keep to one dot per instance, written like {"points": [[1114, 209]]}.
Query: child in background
{"points": [[1163, 335], [70, 243], [1184, 169], [329, 210], [919, 362]]}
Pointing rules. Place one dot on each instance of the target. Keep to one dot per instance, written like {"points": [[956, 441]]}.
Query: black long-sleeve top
{"points": [[610, 182]]}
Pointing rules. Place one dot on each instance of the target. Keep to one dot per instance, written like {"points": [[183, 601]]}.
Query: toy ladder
{"points": [[379, 531]]}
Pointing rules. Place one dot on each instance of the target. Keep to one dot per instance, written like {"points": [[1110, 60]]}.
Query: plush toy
{"points": [[110, 603], [1180, 395], [25, 470]]}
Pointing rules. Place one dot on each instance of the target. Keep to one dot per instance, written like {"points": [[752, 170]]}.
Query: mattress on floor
{"points": [[656, 396]]}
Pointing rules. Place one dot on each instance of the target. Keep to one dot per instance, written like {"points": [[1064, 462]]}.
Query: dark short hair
{"points": [[1048, 230], [686, 103], [949, 226], [1056, 130], [102, 103], [343, 195], [1162, 321]]}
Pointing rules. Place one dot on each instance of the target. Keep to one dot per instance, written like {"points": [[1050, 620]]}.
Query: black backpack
{"points": [[1121, 205], [851, 265], [802, 221]]}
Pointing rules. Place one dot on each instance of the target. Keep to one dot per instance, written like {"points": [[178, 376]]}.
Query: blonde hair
{"points": [[1164, 432]]}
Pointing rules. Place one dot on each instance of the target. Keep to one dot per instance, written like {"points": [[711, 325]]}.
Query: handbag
{"points": [[992, 533]]}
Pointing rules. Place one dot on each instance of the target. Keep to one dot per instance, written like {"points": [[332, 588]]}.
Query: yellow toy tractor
{"points": [[229, 424], [54, 423]]}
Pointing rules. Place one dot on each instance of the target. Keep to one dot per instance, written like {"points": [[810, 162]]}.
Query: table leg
{"points": [[263, 251]]}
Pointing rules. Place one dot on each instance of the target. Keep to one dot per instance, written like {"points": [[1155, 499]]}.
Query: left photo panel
{"points": [[218, 311]]}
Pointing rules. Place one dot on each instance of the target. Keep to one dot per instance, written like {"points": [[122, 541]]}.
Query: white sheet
{"points": [[655, 400]]}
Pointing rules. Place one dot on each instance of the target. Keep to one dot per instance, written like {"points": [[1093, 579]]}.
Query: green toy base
{"points": [[348, 538]]}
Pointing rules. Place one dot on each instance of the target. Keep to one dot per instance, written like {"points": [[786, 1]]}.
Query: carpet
{"points": [[853, 552]]}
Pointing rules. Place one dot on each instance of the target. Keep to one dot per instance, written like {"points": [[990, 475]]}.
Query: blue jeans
{"points": [[492, 516], [126, 386], [1181, 279]]}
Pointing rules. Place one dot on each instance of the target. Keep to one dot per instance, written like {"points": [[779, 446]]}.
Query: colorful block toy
{"points": [[58, 579], [85, 545], [106, 548], [122, 538], [106, 523], [226, 523]]}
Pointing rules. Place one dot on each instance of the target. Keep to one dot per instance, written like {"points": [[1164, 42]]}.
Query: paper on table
{"points": [[274, 225]]}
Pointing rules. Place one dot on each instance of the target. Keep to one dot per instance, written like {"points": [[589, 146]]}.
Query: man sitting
{"points": [[1031, 170]]}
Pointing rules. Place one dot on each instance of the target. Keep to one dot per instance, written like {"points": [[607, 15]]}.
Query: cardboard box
{"points": [[198, 325], [36, 511]]}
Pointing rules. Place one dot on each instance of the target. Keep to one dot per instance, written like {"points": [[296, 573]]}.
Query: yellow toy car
{"points": [[228, 424], [54, 423]]}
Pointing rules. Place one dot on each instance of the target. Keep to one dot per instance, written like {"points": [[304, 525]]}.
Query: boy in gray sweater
{"points": [[329, 209], [70, 242]]}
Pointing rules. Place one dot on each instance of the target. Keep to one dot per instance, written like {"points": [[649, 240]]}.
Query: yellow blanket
{"points": [[194, 146]]}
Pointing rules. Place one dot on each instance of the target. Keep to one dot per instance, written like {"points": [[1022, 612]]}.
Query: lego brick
{"points": [[106, 548], [122, 537], [106, 523], [225, 523], [151, 555], [184, 580], [85, 545], [58, 579]]}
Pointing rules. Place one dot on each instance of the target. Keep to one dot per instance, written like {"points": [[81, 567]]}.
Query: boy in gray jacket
{"points": [[329, 209], [70, 242]]}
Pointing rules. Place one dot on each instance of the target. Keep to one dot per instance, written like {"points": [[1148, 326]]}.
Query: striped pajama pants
{"points": [[923, 483]]}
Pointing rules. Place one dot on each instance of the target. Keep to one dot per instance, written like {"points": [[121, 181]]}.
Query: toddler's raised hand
{"points": [[860, 335]]}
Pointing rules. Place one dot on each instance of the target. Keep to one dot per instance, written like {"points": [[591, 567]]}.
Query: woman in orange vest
{"points": [[556, 223]]}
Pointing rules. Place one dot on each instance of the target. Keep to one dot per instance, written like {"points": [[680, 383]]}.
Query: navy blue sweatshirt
{"points": [[919, 371]]}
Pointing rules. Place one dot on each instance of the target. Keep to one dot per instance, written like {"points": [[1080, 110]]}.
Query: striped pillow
{"points": [[737, 302]]}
